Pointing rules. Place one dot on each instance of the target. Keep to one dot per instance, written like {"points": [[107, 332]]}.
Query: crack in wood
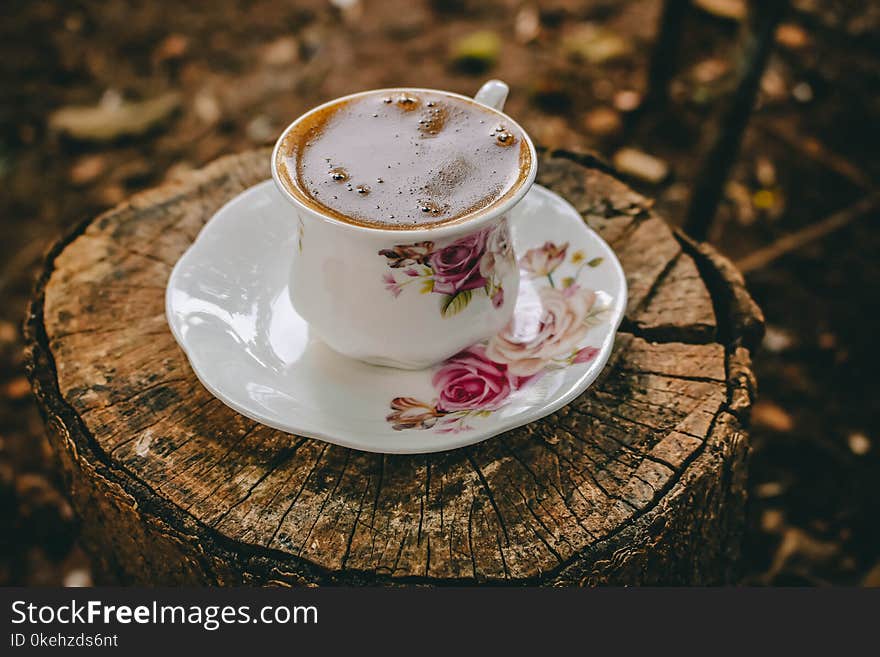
{"points": [[326, 499], [296, 497], [489, 494], [282, 456]]}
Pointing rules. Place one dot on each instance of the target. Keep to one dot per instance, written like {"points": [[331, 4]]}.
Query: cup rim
{"points": [[479, 218]]}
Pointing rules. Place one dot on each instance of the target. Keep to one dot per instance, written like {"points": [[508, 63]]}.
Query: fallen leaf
{"points": [[641, 165], [773, 85], [677, 193], [741, 197], [74, 22], [730, 9], [794, 37], [551, 131], [777, 339], [769, 489], [767, 415], [78, 578], [87, 169], [174, 46], [112, 194], [110, 120], [603, 121], [527, 25], [765, 171], [710, 70], [772, 521], [17, 388], [476, 51], [207, 107], [627, 100], [859, 443], [7, 331], [594, 44], [281, 52], [802, 92], [764, 199], [351, 10], [260, 129]]}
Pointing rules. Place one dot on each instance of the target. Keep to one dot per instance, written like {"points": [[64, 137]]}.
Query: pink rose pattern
{"points": [[456, 271], [456, 267], [479, 380], [556, 333], [469, 381]]}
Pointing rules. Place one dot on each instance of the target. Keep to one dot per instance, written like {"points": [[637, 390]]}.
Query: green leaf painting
{"points": [[452, 305]]}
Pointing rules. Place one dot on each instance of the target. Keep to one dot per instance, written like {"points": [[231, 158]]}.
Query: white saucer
{"points": [[228, 307]]}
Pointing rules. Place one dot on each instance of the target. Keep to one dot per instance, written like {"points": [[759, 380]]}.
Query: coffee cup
{"points": [[403, 201]]}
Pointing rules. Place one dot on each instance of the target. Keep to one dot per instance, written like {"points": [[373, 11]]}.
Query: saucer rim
{"points": [[452, 440]]}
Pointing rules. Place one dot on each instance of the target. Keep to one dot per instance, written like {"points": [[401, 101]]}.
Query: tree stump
{"points": [[641, 480]]}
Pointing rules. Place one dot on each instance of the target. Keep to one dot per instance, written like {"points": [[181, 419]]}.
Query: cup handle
{"points": [[493, 94]]}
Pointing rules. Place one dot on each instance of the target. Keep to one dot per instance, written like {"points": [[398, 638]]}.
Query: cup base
{"points": [[382, 361], [396, 364]]}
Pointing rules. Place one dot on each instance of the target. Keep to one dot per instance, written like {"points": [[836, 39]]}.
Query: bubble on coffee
{"points": [[404, 159]]}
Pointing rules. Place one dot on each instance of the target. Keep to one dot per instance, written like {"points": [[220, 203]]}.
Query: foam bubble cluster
{"points": [[405, 158]]}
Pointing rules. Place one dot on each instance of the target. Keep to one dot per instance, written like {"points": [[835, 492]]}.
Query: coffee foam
{"points": [[403, 159]]}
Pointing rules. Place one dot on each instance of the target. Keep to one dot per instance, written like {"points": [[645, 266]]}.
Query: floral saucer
{"points": [[228, 306]]}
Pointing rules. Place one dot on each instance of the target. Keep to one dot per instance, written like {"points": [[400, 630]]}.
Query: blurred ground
{"points": [[210, 79]]}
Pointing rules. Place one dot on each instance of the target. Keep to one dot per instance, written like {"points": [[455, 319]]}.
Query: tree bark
{"points": [[641, 480]]}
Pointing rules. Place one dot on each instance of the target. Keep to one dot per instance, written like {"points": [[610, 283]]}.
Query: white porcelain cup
{"points": [[399, 297]]}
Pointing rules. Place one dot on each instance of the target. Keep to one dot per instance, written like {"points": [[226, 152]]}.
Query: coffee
{"points": [[403, 159]]}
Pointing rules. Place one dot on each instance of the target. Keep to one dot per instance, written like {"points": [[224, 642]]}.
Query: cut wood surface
{"points": [[640, 480]]}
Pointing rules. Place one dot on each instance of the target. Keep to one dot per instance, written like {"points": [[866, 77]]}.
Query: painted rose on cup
{"points": [[467, 385], [544, 260], [471, 381], [456, 267], [480, 380], [470, 265], [557, 332]]}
